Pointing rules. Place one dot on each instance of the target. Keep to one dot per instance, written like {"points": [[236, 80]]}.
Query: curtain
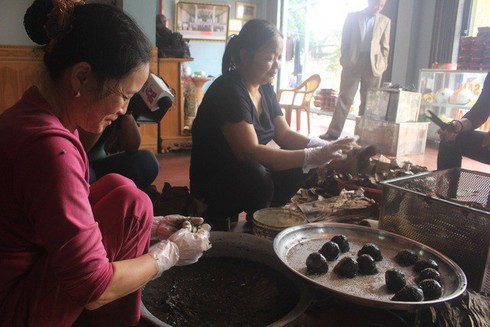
{"points": [[447, 29]]}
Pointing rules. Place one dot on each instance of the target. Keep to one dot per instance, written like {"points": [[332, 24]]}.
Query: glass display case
{"points": [[449, 94]]}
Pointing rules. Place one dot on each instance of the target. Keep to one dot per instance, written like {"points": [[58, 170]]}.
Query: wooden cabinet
{"points": [[149, 132], [172, 124], [20, 67]]}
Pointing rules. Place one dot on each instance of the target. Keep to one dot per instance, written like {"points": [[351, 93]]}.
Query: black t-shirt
{"points": [[227, 99]]}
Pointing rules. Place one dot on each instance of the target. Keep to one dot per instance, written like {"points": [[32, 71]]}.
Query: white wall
{"points": [[412, 40], [144, 13], [12, 18], [208, 54], [12, 22]]}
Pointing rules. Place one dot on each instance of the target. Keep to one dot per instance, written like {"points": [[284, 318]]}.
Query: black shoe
{"points": [[328, 137]]}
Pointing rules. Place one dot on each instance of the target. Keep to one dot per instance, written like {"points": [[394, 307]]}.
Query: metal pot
{"points": [[246, 246]]}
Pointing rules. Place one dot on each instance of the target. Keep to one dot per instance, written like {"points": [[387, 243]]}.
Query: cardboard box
{"points": [[392, 105], [393, 139]]}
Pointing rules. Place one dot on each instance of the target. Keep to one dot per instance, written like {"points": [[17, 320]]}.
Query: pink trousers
{"points": [[124, 214]]}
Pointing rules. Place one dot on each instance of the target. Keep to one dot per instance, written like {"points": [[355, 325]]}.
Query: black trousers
{"points": [[141, 167], [467, 144], [247, 186]]}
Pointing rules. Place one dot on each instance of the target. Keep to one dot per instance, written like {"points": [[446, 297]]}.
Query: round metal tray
{"points": [[294, 244]]}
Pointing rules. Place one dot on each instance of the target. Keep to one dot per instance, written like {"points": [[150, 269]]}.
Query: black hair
{"points": [[253, 35], [101, 35]]}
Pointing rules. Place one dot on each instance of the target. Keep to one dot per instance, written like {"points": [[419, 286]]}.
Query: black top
{"points": [[227, 99], [480, 112]]}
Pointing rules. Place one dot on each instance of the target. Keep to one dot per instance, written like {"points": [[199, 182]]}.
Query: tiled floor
{"points": [[174, 166]]}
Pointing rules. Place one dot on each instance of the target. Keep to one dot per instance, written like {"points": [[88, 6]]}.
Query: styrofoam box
{"points": [[392, 105], [393, 139]]}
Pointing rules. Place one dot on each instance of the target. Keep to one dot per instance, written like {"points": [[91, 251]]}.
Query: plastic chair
{"points": [[299, 98]]}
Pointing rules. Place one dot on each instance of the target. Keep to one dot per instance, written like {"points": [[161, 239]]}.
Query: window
{"points": [[313, 31], [479, 16]]}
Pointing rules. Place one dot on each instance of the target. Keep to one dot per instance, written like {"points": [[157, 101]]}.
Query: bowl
{"points": [[252, 248], [268, 222]]}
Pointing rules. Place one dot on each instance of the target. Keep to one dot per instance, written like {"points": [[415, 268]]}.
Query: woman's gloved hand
{"points": [[316, 141], [166, 254], [191, 244], [164, 226], [318, 156]]}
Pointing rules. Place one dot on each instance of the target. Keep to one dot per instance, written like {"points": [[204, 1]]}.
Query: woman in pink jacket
{"points": [[70, 252]]}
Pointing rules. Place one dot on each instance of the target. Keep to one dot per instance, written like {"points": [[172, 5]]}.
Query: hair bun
{"points": [[35, 18]]}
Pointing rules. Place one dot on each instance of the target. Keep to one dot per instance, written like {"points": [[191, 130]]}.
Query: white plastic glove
{"points": [[316, 141], [166, 254], [321, 155], [164, 226], [191, 245]]}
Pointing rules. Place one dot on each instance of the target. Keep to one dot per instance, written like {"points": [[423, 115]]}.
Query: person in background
{"points": [[233, 169], [363, 57], [116, 150], [460, 139], [71, 253]]}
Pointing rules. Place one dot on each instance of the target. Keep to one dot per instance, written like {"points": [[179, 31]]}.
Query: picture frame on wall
{"points": [[202, 20], [246, 10]]}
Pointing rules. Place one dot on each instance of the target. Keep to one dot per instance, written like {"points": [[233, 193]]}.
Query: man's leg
{"points": [[349, 83], [368, 80], [467, 144]]}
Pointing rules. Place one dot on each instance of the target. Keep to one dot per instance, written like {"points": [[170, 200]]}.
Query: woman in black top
{"points": [[232, 168], [461, 140]]}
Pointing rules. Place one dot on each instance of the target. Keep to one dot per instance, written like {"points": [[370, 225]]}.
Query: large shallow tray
{"points": [[294, 244]]}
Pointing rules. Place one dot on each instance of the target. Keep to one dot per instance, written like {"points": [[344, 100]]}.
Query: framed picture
{"points": [[246, 11], [202, 20]]}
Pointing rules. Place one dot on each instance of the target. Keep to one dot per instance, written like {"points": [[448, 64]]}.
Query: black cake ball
{"points": [[432, 289], [371, 249], [409, 294], [406, 258], [342, 242], [347, 267], [330, 251], [395, 280], [316, 263], [367, 265], [425, 263], [429, 273]]}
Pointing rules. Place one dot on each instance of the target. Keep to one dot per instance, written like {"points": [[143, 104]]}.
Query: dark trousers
{"points": [[141, 167], [467, 144], [247, 186]]}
